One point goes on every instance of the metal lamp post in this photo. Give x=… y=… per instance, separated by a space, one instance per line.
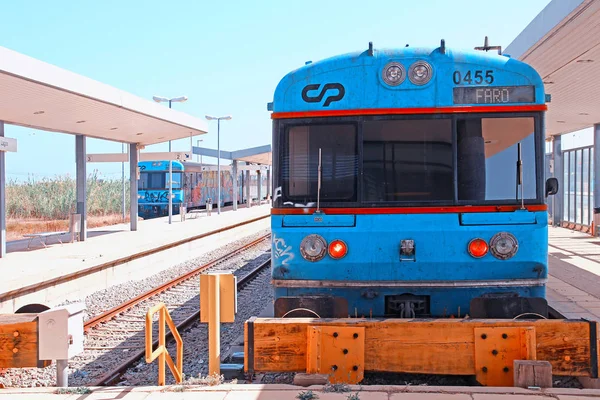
x=199 y=155
x=159 y=99
x=226 y=117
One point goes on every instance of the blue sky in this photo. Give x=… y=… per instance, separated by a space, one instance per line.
x=227 y=57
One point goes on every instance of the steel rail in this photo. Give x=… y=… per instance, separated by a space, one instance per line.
x=111 y=376
x=110 y=314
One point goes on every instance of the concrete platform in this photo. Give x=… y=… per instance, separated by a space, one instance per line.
x=574 y=265
x=112 y=255
x=285 y=392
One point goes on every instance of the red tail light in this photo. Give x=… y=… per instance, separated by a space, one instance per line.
x=337 y=249
x=478 y=248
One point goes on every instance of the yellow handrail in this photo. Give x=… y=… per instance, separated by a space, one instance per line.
x=161 y=351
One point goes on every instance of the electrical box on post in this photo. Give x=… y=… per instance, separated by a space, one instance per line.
x=61 y=332
x=227 y=296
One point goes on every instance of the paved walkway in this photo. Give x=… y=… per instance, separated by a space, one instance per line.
x=574 y=283
x=117 y=243
x=288 y=392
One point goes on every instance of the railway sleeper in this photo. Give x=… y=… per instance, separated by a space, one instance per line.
x=345 y=348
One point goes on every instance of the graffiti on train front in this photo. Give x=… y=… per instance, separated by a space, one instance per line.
x=155 y=197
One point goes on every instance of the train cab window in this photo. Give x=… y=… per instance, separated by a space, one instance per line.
x=408 y=160
x=176 y=180
x=143 y=181
x=339 y=161
x=487 y=151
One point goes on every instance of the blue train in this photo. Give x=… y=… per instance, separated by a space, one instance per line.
x=191 y=187
x=410 y=183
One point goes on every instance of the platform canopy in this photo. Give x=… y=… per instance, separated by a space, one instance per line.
x=40 y=95
x=563 y=44
x=255 y=155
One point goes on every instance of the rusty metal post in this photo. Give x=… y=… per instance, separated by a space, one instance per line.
x=214 y=325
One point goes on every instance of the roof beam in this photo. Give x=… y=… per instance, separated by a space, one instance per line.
x=202 y=151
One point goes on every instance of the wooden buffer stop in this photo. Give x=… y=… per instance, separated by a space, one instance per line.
x=34 y=340
x=19 y=346
x=343 y=349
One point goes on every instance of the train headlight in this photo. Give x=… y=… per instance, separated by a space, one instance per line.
x=420 y=73
x=313 y=248
x=503 y=245
x=477 y=248
x=337 y=249
x=394 y=74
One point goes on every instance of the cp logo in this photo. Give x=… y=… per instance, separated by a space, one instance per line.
x=328 y=86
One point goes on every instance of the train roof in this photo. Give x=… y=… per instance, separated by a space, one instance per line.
x=355 y=80
x=162 y=165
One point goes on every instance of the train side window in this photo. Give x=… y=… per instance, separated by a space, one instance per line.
x=487 y=158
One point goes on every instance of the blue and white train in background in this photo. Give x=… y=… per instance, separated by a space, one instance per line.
x=192 y=187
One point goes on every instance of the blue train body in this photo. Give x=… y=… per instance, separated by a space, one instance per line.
x=431 y=200
x=153 y=194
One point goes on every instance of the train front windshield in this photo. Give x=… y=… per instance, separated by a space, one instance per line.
x=158 y=180
x=401 y=161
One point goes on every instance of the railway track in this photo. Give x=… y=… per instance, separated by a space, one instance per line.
x=115 y=339
x=110 y=314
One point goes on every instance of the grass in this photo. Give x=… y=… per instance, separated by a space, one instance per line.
x=74 y=390
x=45 y=205
x=308 y=395
x=336 y=388
x=55 y=199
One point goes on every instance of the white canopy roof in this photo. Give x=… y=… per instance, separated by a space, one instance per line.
x=39 y=95
x=563 y=44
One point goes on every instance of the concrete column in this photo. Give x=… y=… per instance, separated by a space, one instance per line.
x=234 y=178
x=596 y=177
x=268 y=182
x=2 y=197
x=259 y=185
x=81 y=179
x=558 y=173
x=133 y=187
x=248 y=199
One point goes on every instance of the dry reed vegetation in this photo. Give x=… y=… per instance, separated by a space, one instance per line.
x=45 y=205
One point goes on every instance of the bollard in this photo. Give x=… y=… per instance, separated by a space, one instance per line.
x=218 y=304
x=208 y=206
x=61 y=337
x=214 y=326
x=62 y=374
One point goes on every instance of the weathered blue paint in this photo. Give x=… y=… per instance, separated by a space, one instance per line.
x=441 y=255
x=360 y=74
x=441 y=239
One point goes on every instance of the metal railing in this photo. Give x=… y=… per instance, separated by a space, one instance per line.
x=578 y=192
x=161 y=351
